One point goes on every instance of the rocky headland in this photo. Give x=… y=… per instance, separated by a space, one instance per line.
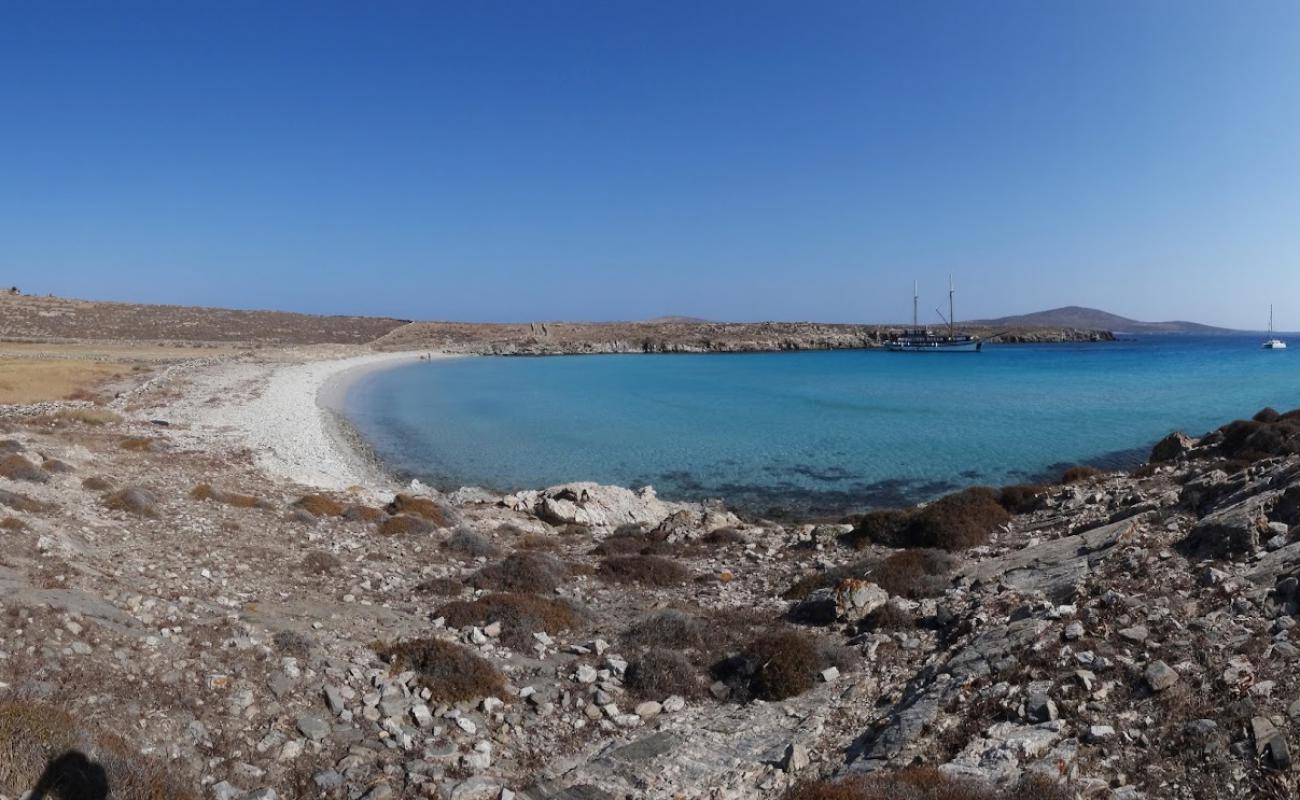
x=205 y=596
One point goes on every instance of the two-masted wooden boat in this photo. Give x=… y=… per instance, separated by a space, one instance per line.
x=922 y=340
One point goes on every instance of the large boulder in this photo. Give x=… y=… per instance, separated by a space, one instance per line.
x=594 y=505
x=1233 y=532
x=1172 y=447
x=849 y=601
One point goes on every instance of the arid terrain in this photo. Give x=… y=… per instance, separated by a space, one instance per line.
x=185 y=621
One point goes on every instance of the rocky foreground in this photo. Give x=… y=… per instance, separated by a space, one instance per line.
x=178 y=624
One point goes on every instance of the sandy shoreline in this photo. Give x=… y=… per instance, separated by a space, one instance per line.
x=289 y=414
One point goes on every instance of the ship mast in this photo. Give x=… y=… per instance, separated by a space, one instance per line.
x=952 y=330
x=1270 y=319
x=915 y=297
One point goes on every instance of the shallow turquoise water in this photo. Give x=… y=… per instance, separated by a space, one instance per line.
x=813 y=431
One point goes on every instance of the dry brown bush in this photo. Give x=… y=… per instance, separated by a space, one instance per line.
x=660 y=673
x=8 y=446
x=878 y=527
x=646 y=570
x=13 y=524
x=139 y=444
x=723 y=537
x=404 y=525
x=452 y=673
x=1080 y=473
x=827 y=579
x=471 y=544
x=533 y=573
x=779 y=664
x=359 y=513
x=520 y=615
x=442 y=587
x=889 y=617
x=21 y=502
x=96 y=483
x=632 y=540
x=1021 y=498
x=924 y=783
x=955 y=522
x=667 y=628
x=538 y=541
x=133 y=500
x=319 y=562
x=205 y=491
x=16 y=468
x=914 y=573
x=42 y=747
x=320 y=505
x=425 y=507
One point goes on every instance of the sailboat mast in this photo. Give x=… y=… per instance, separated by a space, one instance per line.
x=1270 y=319
x=915 y=296
x=952 y=330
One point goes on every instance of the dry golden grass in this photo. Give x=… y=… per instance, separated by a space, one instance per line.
x=321 y=505
x=206 y=492
x=25 y=380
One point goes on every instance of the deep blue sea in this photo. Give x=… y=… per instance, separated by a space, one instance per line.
x=810 y=432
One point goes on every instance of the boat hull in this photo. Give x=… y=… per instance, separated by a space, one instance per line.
x=935 y=346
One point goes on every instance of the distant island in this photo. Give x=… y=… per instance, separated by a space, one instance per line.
x=1094 y=319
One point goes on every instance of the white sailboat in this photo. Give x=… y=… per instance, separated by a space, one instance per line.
x=922 y=340
x=1272 y=342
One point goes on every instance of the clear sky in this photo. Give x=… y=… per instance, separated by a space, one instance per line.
x=614 y=159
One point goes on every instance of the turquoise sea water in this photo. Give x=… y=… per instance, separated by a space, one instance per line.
x=810 y=432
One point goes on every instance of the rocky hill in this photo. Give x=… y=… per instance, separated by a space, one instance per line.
x=179 y=624
x=54 y=319
x=1091 y=318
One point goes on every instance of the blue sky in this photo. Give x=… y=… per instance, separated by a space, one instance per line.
x=610 y=159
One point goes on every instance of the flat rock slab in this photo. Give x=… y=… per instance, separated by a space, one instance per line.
x=1054 y=567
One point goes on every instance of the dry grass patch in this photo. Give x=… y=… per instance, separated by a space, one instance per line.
x=12 y=524
x=532 y=573
x=645 y=570
x=359 y=513
x=94 y=417
x=667 y=628
x=1021 y=498
x=54 y=465
x=133 y=500
x=95 y=483
x=452 y=673
x=42 y=747
x=780 y=664
x=30 y=380
x=139 y=444
x=520 y=615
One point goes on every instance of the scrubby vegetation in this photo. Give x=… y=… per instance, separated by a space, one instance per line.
x=16 y=468
x=138 y=444
x=43 y=748
x=472 y=544
x=320 y=505
x=319 y=562
x=441 y=587
x=914 y=573
x=533 y=573
x=924 y=783
x=205 y=491
x=632 y=540
x=96 y=483
x=429 y=509
x=1079 y=474
x=405 y=525
x=1021 y=498
x=1269 y=434
x=660 y=673
x=359 y=513
x=955 y=522
x=450 y=672
x=779 y=665
x=826 y=579
x=647 y=570
x=133 y=500
x=667 y=628
x=520 y=615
